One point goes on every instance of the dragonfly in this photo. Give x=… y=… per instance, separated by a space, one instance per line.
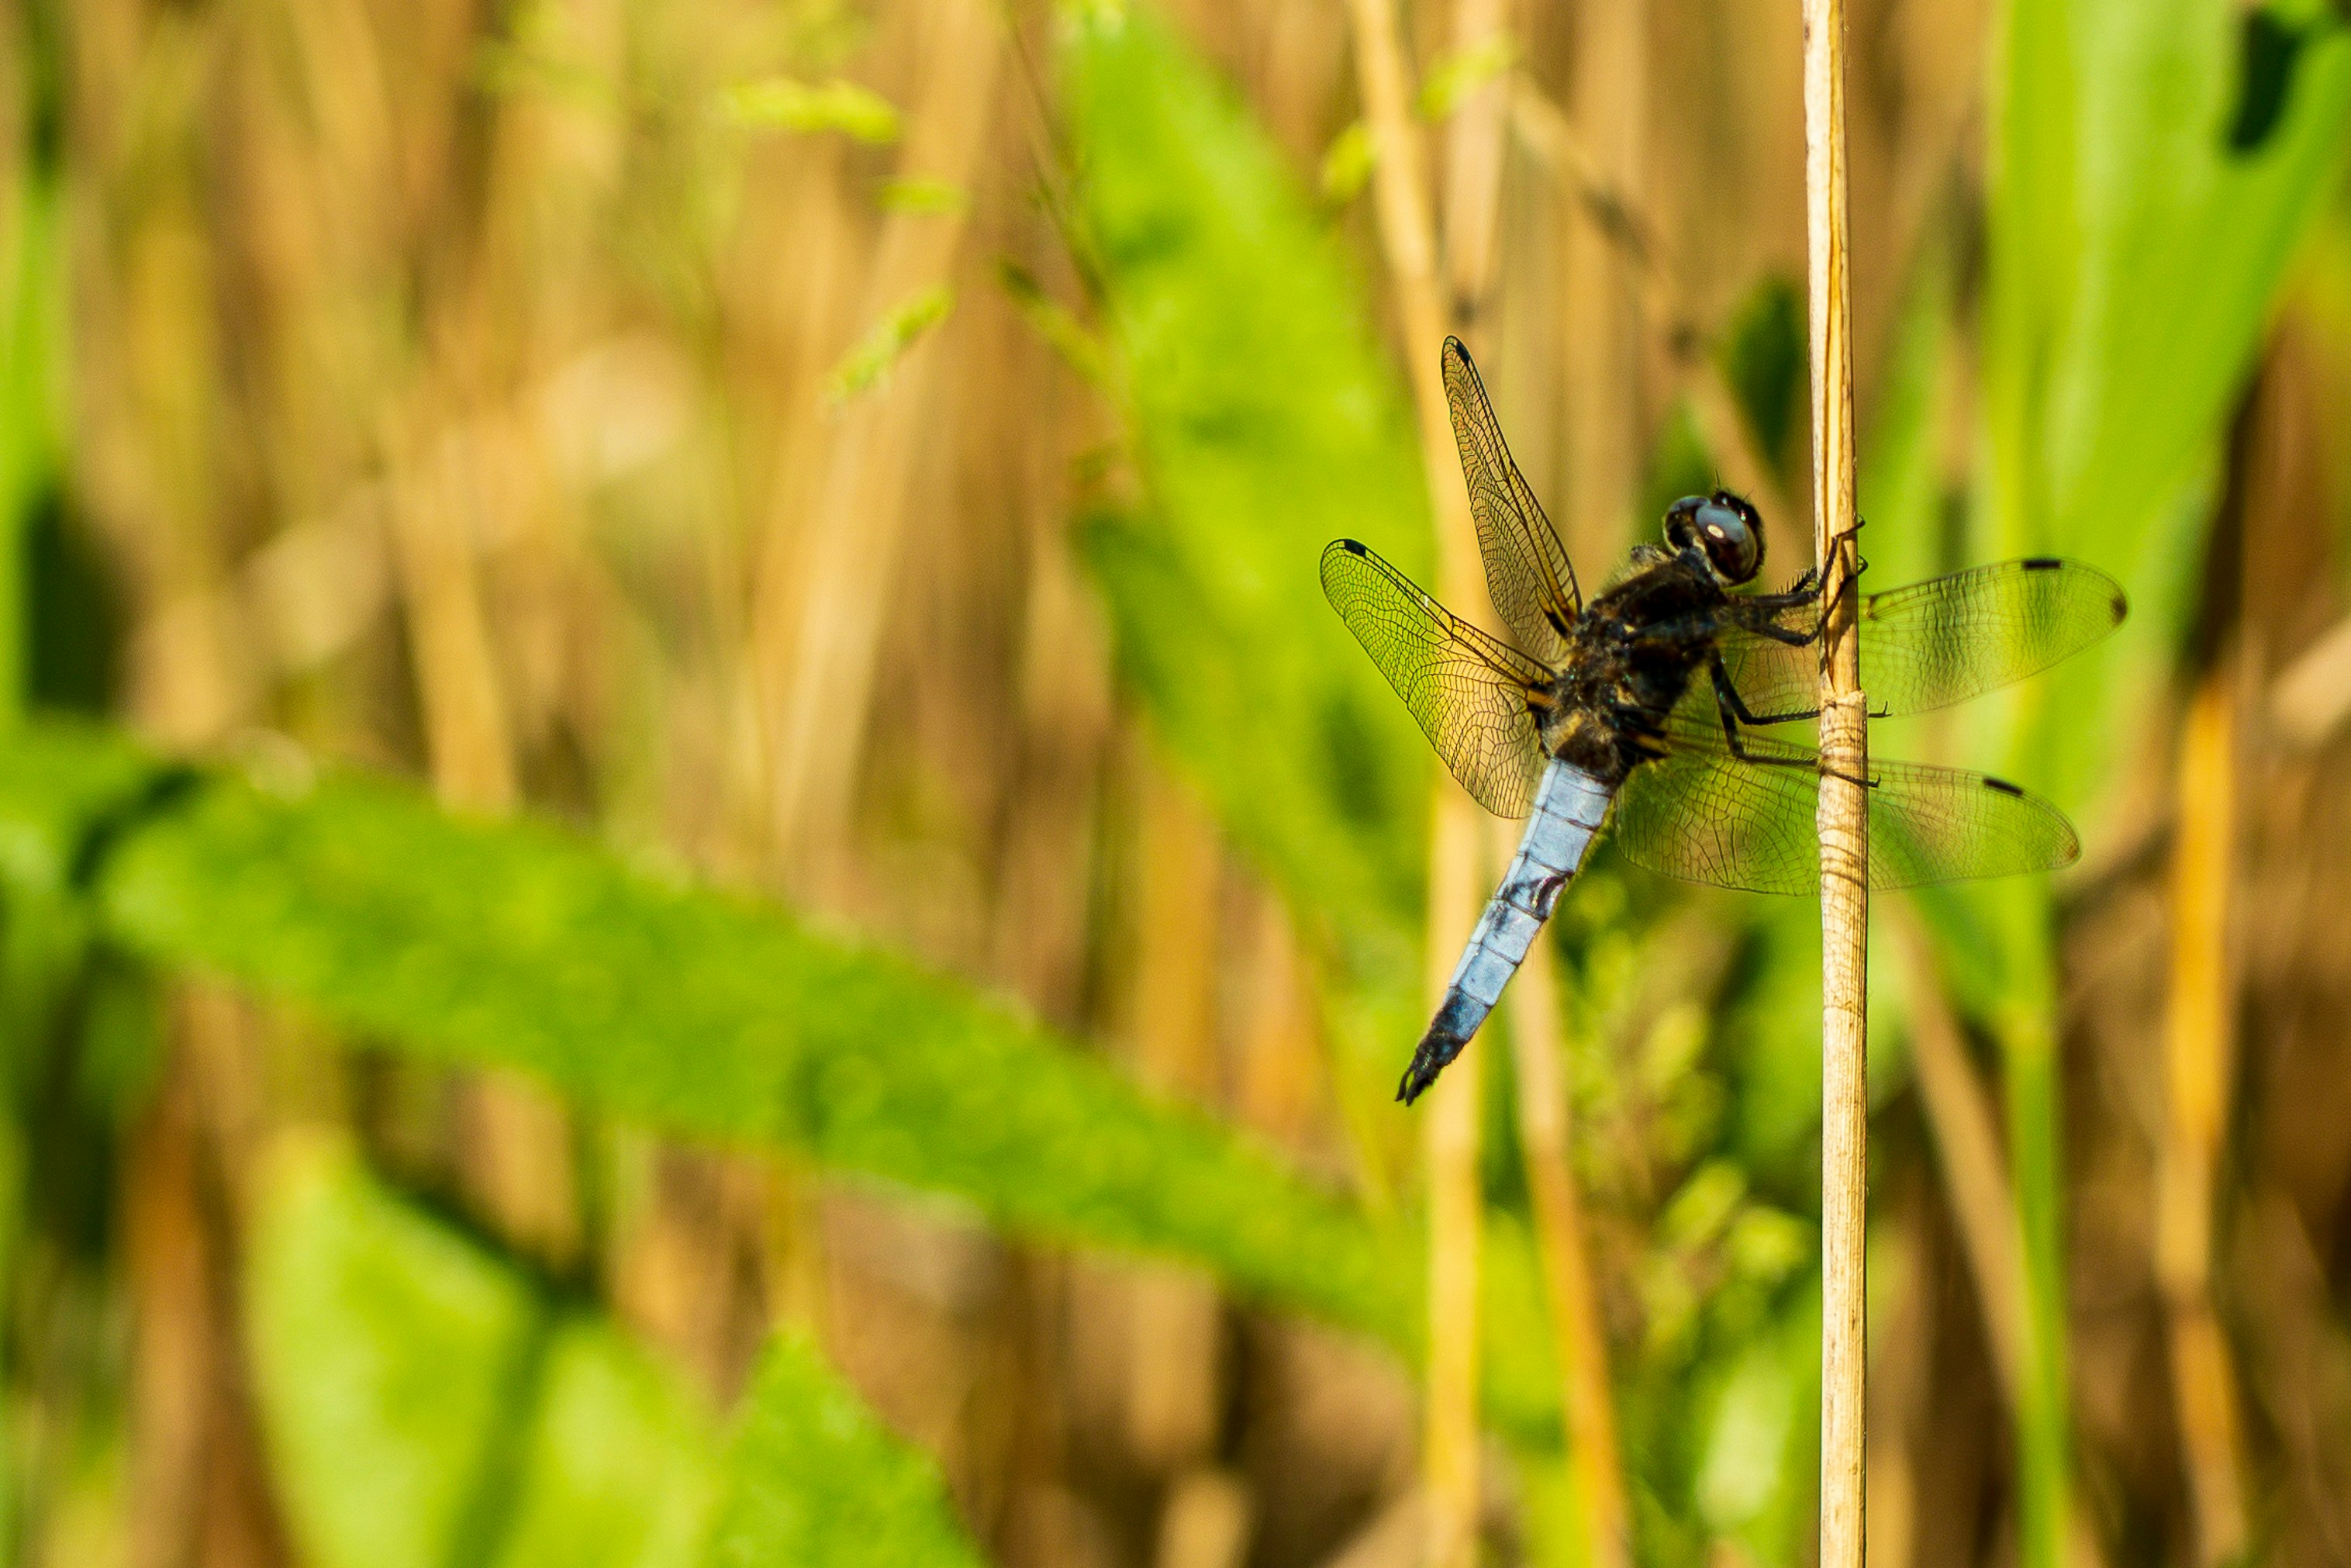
x=1656 y=710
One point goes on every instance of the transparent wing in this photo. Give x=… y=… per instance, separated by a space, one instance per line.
x=1705 y=815
x=1938 y=642
x=1526 y=569
x=1468 y=692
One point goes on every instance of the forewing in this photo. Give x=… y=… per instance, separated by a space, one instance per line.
x=1938 y=642
x=1705 y=815
x=1526 y=569
x=1468 y=691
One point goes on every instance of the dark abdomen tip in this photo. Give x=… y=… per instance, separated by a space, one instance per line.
x=1438 y=1047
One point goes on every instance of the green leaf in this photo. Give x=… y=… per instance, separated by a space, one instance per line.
x=1347 y=163
x=425 y=1404
x=388 y=1355
x=519 y=944
x=781 y=103
x=1266 y=425
x=2136 y=258
x=619 y=1467
x=869 y=364
x=813 y=1478
x=926 y=198
x=1456 y=74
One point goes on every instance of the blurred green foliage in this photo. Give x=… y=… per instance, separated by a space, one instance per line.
x=387 y=1346
x=2136 y=253
x=497 y=1423
x=1763 y=356
x=1266 y=423
x=800 y=1421
x=2145 y=201
x=518 y=944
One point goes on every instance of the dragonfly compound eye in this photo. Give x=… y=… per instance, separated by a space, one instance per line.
x=1730 y=531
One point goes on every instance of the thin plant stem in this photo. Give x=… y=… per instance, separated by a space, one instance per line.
x=1595 y=1468
x=820 y=672
x=1967 y=1145
x=1843 y=821
x=1401 y=197
x=1665 y=311
x=2198 y=1054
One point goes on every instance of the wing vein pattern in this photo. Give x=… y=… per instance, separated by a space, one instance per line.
x=1468 y=691
x=1939 y=641
x=1705 y=815
x=1526 y=569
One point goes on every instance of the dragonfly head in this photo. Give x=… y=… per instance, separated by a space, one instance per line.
x=1725 y=528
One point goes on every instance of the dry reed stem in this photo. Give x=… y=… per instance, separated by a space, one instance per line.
x=1206 y=1521
x=1594 y=1467
x=1400 y=195
x=822 y=685
x=1975 y=1181
x=513 y=1138
x=1843 y=821
x=1663 y=301
x=2312 y=697
x=1601 y=315
x=1174 y=1317
x=1967 y=1145
x=2198 y=1055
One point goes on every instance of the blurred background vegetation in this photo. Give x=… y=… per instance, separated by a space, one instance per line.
x=689 y=874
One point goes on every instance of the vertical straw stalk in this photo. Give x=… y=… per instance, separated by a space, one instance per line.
x=1616 y=292
x=1593 y=1468
x=1614 y=214
x=831 y=594
x=2197 y=1054
x=1844 y=822
x=1967 y=1145
x=1401 y=197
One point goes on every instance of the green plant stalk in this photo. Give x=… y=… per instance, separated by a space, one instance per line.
x=31 y=296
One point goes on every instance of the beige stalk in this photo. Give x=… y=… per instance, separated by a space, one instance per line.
x=1400 y=193
x=2199 y=1054
x=1844 y=820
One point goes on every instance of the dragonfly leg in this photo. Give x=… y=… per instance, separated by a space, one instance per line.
x=1726 y=702
x=1734 y=706
x=1805 y=589
x=1760 y=614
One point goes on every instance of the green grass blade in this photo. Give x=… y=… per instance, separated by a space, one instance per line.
x=2135 y=261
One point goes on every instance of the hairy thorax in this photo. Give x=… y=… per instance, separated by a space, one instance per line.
x=1631 y=655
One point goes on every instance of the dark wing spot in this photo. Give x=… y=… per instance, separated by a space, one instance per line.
x=1352 y=548
x=2003 y=786
x=2043 y=563
x=1557 y=625
x=2122 y=608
